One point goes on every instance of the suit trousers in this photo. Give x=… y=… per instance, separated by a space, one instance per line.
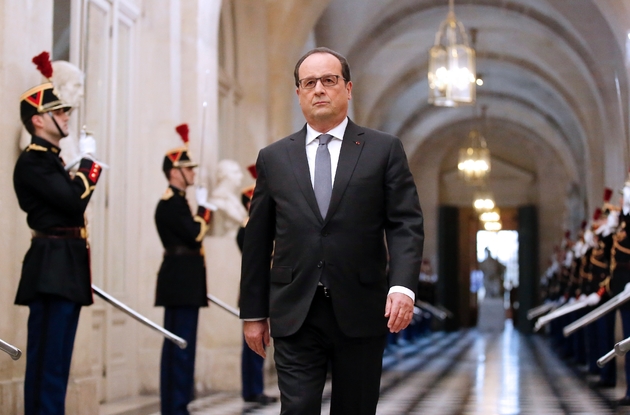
x=52 y=325
x=303 y=359
x=177 y=368
x=251 y=372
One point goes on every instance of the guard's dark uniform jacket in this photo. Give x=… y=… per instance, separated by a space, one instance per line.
x=58 y=261
x=620 y=257
x=182 y=276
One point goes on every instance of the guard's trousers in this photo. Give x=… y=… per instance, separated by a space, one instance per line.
x=52 y=325
x=251 y=372
x=177 y=369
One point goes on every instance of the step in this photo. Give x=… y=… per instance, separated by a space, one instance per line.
x=139 y=405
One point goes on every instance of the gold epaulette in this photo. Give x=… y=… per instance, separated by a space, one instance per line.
x=598 y=263
x=606 y=284
x=623 y=249
x=168 y=194
x=35 y=147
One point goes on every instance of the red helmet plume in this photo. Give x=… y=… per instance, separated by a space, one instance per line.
x=183 y=131
x=252 y=171
x=42 y=61
x=607 y=194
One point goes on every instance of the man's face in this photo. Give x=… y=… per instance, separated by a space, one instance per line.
x=189 y=174
x=47 y=126
x=323 y=105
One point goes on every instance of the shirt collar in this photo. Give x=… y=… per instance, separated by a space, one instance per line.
x=336 y=132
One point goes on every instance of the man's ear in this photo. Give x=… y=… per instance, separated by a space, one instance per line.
x=38 y=121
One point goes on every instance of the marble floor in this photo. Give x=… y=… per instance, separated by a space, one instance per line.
x=480 y=372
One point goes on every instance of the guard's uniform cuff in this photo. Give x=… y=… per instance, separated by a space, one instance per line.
x=91 y=170
x=204 y=213
x=88 y=173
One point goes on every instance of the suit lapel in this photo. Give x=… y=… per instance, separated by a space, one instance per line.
x=351 y=148
x=299 y=163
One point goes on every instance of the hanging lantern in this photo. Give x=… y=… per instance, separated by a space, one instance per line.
x=493 y=226
x=451 y=65
x=483 y=201
x=490 y=216
x=474 y=161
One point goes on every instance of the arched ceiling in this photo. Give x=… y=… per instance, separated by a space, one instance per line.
x=553 y=72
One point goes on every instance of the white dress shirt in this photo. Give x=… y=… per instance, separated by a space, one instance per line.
x=334 y=148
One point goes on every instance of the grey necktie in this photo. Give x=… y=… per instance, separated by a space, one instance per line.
x=323 y=174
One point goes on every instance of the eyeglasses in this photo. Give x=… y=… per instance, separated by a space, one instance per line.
x=327 y=81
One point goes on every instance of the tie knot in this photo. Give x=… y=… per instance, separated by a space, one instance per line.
x=324 y=139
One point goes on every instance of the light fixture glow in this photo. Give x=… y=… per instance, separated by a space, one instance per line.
x=492 y=226
x=484 y=204
x=474 y=160
x=483 y=200
x=492 y=216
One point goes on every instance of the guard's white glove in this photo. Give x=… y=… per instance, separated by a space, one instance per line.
x=201 y=195
x=593 y=299
x=87 y=145
x=87 y=149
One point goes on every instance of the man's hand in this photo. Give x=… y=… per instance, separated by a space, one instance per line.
x=399 y=309
x=257 y=335
x=87 y=145
x=201 y=195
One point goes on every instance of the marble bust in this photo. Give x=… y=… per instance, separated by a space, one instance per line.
x=226 y=196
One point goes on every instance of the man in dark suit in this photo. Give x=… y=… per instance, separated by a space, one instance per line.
x=331 y=202
x=181 y=281
x=55 y=280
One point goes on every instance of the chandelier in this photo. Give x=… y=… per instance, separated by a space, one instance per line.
x=493 y=226
x=483 y=201
x=451 y=75
x=474 y=160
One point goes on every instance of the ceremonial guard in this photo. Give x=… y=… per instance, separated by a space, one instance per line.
x=181 y=281
x=603 y=330
x=55 y=280
x=620 y=273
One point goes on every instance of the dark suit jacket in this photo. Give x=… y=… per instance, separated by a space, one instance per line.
x=374 y=200
x=181 y=280
x=52 y=201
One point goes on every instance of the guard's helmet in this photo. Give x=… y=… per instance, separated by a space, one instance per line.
x=178 y=157
x=41 y=98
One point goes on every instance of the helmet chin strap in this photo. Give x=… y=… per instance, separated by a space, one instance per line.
x=61 y=133
x=183 y=176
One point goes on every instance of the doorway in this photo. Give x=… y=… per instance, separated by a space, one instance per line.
x=497 y=258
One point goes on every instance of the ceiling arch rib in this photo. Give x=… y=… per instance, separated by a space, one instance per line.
x=402 y=20
x=513 y=112
x=402 y=118
x=382 y=105
x=401 y=67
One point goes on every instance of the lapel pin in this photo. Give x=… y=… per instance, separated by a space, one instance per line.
x=357 y=143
